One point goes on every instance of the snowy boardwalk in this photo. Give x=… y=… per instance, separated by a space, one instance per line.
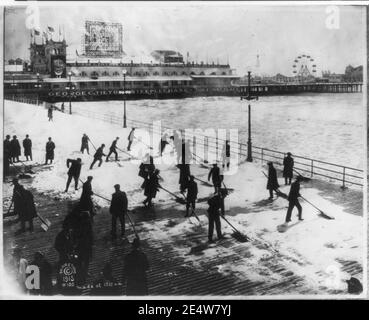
x=313 y=257
x=170 y=273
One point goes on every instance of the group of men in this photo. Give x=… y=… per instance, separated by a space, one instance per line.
x=12 y=151
x=294 y=194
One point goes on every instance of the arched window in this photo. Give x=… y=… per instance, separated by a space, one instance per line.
x=193 y=73
x=202 y=73
x=83 y=74
x=116 y=74
x=213 y=73
x=184 y=73
x=174 y=73
x=105 y=74
x=156 y=73
x=94 y=74
x=224 y=73
x=165 y=74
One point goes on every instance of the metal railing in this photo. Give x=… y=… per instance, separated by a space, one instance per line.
x=26 y=100
x=303 y=165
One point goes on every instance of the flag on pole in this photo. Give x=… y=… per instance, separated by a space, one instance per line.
x=77 y=53
x=37 y=33
x=50 y=29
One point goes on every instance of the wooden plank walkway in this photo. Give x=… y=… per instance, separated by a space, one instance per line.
x=170 y=274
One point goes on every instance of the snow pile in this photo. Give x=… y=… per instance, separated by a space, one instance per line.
x=313 y=249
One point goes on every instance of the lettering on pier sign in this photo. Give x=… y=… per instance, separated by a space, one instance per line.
x=79 y=93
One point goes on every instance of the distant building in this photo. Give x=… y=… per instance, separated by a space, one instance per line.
x=49 y=58
x=353 y=74
x=167 y=56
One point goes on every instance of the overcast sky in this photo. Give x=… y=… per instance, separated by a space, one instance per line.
x=211 y=32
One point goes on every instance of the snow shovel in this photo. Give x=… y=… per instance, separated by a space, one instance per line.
x=127 y=153
x=27 y=169
x=324 y=215
x=21 y=175
x=178 y=199
x=237 y=234
x=92 y=143
x=208 y=184
x=301 y=176
x=139 y=140
x=45 y=223
x=203 y=160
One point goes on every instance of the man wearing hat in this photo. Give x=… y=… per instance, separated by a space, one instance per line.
x=293 y=199
x=50 y=146
x=15 y=149
x=98 y=156
x=272 y=184
x=191 y=195
x=118 y=209
x=24 y=206
x=216 y=177
x=135 y=267
x=27 y=145
x=113 y=149
x=84 y=143
x=288 y=164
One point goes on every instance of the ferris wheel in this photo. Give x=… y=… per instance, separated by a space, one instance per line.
x=304 y=66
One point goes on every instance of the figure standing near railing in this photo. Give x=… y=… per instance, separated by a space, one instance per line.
x=293 y=200
x=226 y=154
x=50 y=113
x=84 y=144
x=191 y=197
x=27 y=145
x=288 y=164
x=216 y=177
x=272 y=184
x=130 y=138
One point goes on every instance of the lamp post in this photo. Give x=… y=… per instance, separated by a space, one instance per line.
x=249 y=97
x=38 y=87
x=70 y=88
x=124 y=99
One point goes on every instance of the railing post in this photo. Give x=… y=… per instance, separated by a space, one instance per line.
x=262 y=155
x=312 y=168
x=344 y=178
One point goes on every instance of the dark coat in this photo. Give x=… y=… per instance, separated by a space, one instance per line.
x=215 y=175
x=50 y=146
x=75 y=168
x=215 y=203
x=119 y=204
x=192 y=191
x=146 y=169
x=135 y=267
x=113 y=146
x=272 y=179
x=85 y=202
x=151 y=186
x=99 y=153
x=84 y=140
x=184 y=174
x=294 y=191
x=15 y=148
x=288 y=167
x=65 y=245
x=24 y=205
x=7 y=148
x=27 y=145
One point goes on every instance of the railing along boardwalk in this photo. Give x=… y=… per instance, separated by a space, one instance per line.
x=345 y=175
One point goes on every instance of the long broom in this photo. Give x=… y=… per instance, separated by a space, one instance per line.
x=237 y=234
x=139 y=140
x=322 y=213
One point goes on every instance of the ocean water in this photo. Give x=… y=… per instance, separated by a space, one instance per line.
x=328 y=127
